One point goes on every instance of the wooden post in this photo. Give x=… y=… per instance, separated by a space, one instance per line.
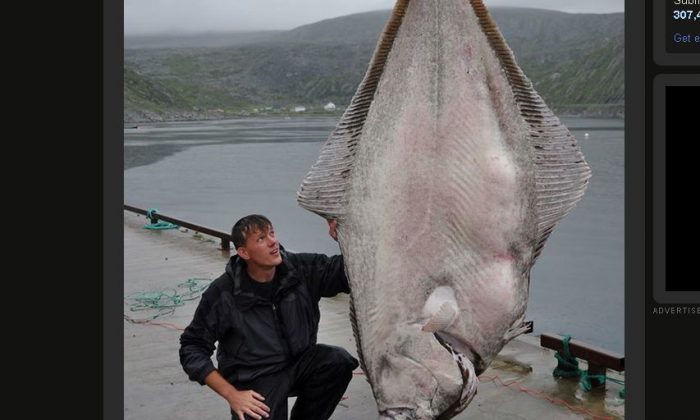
x=595 y=369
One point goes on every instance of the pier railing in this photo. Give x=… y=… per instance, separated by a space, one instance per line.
x=599 y=360
x=155 y=216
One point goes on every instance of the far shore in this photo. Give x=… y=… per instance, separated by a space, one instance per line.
x=602 y=112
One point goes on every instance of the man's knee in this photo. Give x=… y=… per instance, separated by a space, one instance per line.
x=339 y=358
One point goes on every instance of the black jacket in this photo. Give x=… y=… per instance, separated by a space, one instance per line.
x=258 y=336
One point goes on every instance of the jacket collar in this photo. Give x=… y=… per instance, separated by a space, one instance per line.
x=242 y=291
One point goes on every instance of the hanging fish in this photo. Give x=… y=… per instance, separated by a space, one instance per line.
x=446 y=174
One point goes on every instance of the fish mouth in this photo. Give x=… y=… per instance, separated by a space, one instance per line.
x=468 y=362
x=465 y=358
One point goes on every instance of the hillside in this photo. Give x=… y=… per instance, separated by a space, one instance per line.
x=574 y=60
x=197 y=40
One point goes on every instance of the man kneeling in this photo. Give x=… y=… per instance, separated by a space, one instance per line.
x=263 y=312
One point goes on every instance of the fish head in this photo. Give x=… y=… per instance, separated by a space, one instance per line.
x=443 y=380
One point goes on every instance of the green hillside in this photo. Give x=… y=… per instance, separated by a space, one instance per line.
x=574 y=60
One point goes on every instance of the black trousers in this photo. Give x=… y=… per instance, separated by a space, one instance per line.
x=318 y=379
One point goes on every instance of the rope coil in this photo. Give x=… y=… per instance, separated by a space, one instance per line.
x=165 y=301
x=567 y=365
x=155 y=224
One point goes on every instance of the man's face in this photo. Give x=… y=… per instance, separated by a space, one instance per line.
x=261 y=248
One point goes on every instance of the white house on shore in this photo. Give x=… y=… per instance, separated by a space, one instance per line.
x=299 y=109
x=330 y=106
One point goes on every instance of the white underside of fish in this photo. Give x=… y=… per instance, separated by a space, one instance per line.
x=446 y=174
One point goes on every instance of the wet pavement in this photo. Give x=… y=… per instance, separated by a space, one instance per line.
x=518 y=384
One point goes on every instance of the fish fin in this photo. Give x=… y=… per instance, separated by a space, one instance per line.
x=442 y=318
x=519 y=327
x=356 y=334
x=561 y=172
x=323 y=189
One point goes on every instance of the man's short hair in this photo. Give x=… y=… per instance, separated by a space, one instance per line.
x=248 y=224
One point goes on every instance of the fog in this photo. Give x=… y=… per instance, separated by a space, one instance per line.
x=187 y=16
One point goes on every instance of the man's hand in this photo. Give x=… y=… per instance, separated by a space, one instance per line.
x=248 y=402
x=241 y=402
x=332 y=225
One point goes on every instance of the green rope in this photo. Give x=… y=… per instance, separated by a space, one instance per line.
x=164 y=302
x=194 y=286
x=150 y=214
x=155 y=224
x=567 y=367
x=619 y=382
x=587 y=381
x=160 y=226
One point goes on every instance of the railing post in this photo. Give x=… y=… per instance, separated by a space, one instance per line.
x=595 y=370
x=154 y=217
x=151 y=215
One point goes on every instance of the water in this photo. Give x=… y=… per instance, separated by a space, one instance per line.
x=212 y=173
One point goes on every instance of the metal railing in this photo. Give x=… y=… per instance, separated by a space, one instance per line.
x=599 y=360
x=155 y=216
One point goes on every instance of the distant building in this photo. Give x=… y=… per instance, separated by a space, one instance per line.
x=330 y=106
x=299 y=109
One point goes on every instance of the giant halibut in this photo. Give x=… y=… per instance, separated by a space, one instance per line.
x=446 y=174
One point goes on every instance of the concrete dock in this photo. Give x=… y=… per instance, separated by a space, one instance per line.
x=518 y=384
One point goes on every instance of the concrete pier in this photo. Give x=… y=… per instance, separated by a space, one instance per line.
x=518 y=384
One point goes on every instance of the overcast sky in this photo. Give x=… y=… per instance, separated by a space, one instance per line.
x=157 y=16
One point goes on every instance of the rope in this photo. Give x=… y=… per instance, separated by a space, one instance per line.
x=587 y=380
x=567 y=367
x=161 y=226
x=155 y=224
x=164 y=302
x=621 y=394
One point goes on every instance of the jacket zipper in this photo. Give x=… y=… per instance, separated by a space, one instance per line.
x=280 y=330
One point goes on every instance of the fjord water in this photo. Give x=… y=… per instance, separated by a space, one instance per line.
x=213 y=172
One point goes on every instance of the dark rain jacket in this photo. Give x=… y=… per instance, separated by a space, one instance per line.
x=258 y=336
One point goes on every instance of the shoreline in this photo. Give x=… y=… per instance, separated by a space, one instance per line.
x=221 y=117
